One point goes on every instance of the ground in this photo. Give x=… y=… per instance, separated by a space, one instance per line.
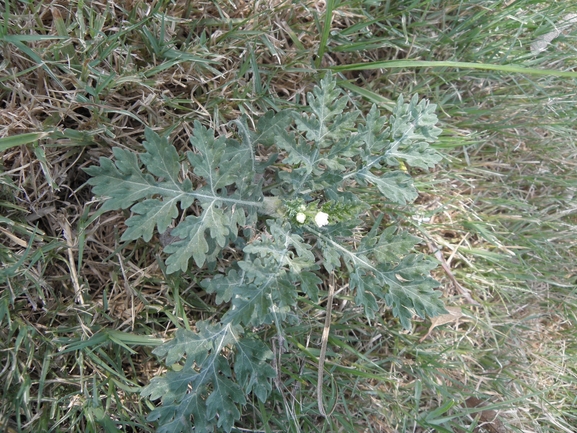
x=82 y=311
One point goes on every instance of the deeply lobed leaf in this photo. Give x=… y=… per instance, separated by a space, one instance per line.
x=206 y=389
x=227 y=197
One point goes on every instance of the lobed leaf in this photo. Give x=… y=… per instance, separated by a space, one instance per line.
x=122 y=183
x=149 y=214
x=205 y=389
x=326 y=119
x=266 y=297
x=223 y=285
x=406 y=286
x=251 y=367
x=389 y=246
x=411 y=290
x=394 y=185
x=228 y=196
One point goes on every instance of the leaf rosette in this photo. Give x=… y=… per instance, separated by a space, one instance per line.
x=289 y=181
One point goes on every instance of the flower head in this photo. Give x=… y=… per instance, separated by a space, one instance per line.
x=301 y=217
x=321 y=219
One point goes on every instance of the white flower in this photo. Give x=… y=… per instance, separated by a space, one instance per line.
x=321 y=219
x=301 y=217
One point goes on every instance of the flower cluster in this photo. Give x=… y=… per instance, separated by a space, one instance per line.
x=321 y=218
x=302 y=212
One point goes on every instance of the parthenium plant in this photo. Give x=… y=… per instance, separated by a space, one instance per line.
x=291 y=216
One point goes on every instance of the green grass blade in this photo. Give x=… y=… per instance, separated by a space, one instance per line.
x=396 y=64
x=375 y=98
x=30 y=38
x=36 y=58
x=330 y=5
x=18 y=140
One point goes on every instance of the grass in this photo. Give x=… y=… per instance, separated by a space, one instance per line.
x=80 y=312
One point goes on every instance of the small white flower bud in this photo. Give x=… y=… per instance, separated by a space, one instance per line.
x=321 y=219
x=301 y=217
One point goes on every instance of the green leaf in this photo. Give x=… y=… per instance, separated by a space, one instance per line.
x=251 y=367
x=411 y=289
x=225 y=398
x=284 y=247
x=364 y=285
x=266 y=297
x=204 y=388
x=327 y=108
x=214 y=223
x=264 y=291
x=406 y=287
x=122 y=183
x=149 y=214
x=228 y=197
x=309 y=283
x=333 y=246
x=414 y=121
x=269 y=128
x=218 y=165
x=300 y=153
x=418 y=154
x=161 y=158
x=320 y=158
x=373 y=134
x=395 y=185
x=193 y=244
x=413 y=126
x=223 y=285
x=389 y=64
x=389 y=246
